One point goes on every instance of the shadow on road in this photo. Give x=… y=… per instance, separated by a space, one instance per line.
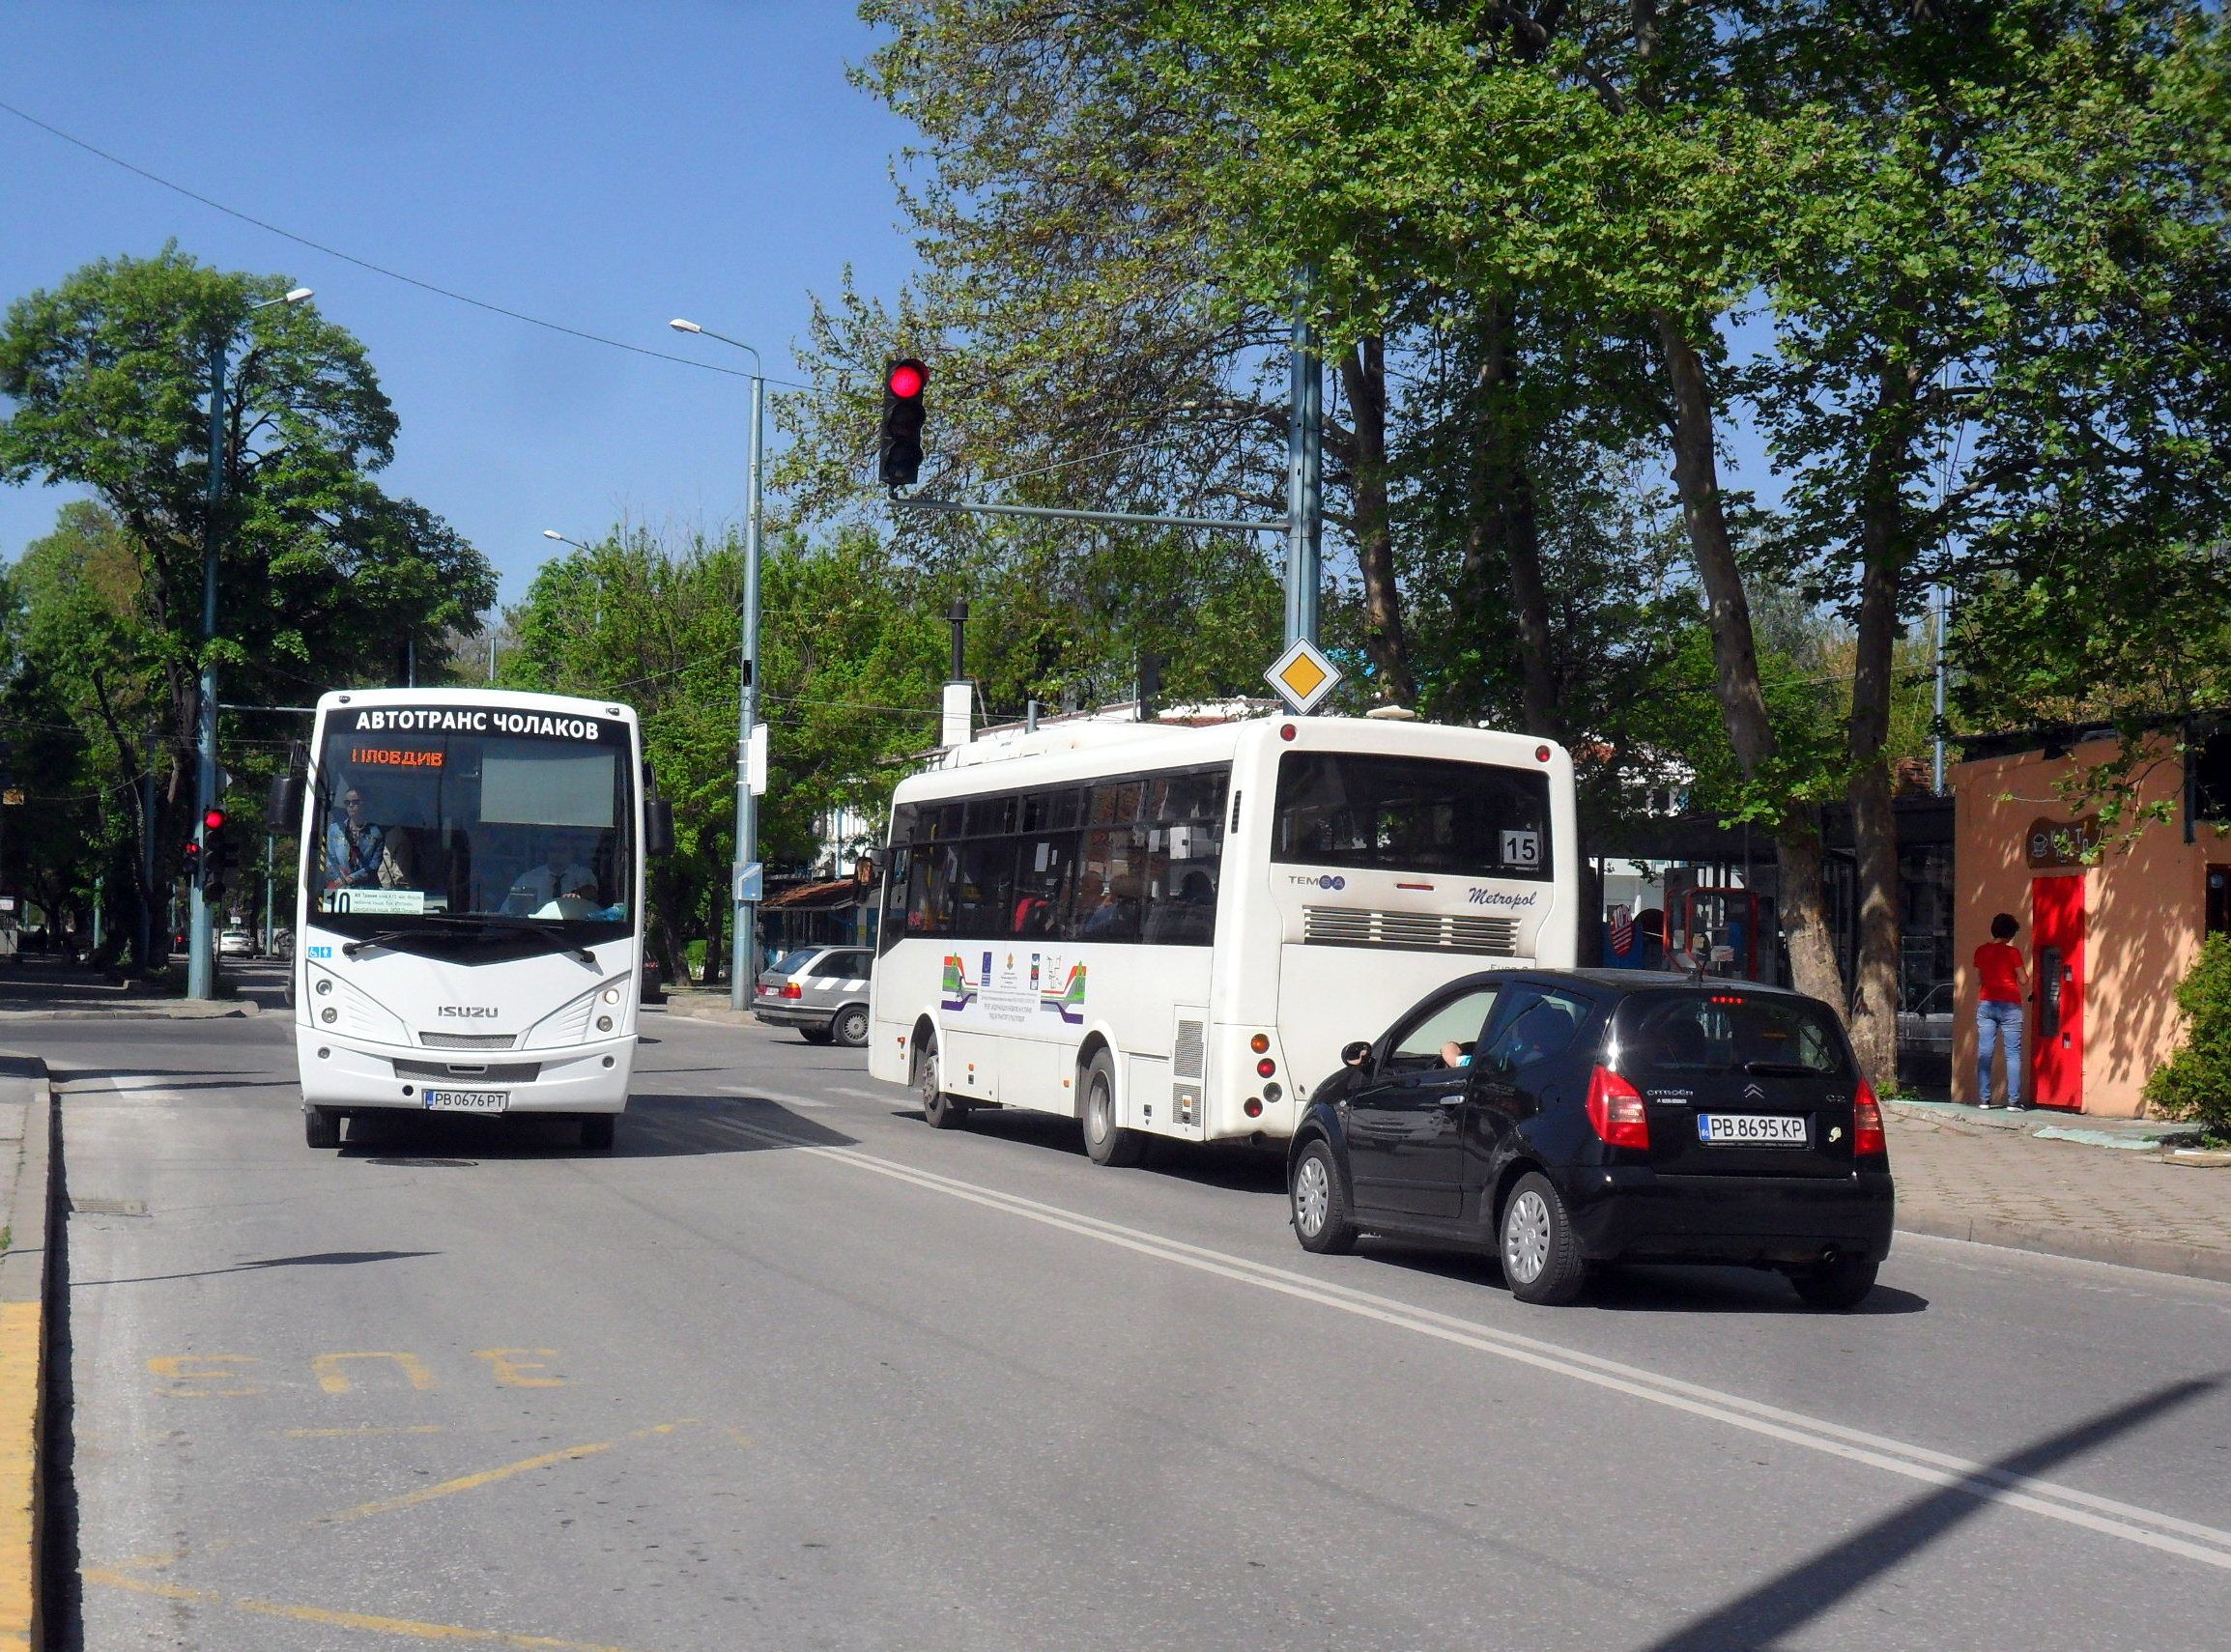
x=1763 y=1616
x=1237 y=1167
x=320 y=1259
x=653 y=1126
x=1640 y=1288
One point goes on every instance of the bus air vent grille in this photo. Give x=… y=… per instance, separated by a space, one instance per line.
x=468 y=1041
x=1186 y=1055
x=1350 y=926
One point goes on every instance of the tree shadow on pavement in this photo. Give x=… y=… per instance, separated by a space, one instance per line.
x=320 y=1259
x=653 y=1126
x=1763 y=1616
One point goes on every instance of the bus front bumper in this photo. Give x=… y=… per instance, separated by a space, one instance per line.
x=577 y=1078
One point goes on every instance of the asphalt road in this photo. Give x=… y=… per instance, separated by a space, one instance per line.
x=789 y=1369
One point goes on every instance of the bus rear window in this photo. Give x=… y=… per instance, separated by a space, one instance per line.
x=1347 y=809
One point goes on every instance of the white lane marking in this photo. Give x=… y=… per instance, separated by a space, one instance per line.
x=760 y=1092
x=895 y=1094
x=2066 y=1503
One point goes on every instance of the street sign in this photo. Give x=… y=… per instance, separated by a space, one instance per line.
x=755 y=761
x=751 y=880
x=1303 y=676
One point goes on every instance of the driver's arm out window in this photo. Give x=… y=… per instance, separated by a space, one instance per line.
x=1457 y=1021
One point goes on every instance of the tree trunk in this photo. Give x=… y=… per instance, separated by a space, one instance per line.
x=1873 y=821
x=1505 y=521
x=1802 y=902
x=1364 y=377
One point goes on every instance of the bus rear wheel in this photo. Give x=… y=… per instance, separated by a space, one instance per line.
x=942 y=1109
x=321 y=1126
x=1104 y=1140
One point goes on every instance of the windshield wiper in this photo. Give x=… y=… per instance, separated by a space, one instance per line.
x=481 y=922
x=1796 y=1068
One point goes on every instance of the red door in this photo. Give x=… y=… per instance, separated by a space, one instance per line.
x=2056 y=1030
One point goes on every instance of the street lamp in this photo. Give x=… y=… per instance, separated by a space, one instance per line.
x=552 y=534
x=743 y=969
x=200 y=955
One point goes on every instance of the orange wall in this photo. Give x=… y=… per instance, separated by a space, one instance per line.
x=2143 y=910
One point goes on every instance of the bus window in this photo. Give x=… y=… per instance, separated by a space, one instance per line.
x=1347 y=809
x=1053 y=811
x=893 y=922
x=1116 y=803
x=1044 y=875
x=984 y=898
x=929 y=891
x=1111 y=886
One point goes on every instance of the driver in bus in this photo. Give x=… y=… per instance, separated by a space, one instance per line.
x=558 y=873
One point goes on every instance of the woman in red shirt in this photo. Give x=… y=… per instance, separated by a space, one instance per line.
x=1998 y=1012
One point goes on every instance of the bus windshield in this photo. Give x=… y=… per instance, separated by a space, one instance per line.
x=1399 y=813
x=426 y=816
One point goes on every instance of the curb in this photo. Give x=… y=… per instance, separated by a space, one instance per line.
x=2156 y=1256
x=24 y=1359
x=696 y=1007
x=247 y=1007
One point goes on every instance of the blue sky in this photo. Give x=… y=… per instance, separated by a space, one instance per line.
x=605 y=167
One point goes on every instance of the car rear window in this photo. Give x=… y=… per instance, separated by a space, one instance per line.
x=1663 y=1035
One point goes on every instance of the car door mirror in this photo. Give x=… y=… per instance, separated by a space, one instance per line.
x=1357 y=1053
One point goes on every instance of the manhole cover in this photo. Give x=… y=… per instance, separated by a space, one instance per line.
x=108 y=1207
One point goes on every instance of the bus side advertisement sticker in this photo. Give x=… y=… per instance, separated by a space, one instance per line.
x=1011 y=986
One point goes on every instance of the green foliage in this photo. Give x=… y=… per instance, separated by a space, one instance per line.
x=2195 y=1082
x=322 y=580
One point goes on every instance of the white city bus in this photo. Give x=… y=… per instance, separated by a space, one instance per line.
x=1172 y=931
x=468 y=918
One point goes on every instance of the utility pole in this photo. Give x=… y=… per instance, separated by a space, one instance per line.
x=1305 y=480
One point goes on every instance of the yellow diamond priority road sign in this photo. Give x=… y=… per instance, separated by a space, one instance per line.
x=1303 y=676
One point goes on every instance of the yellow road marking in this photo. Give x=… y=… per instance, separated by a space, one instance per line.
x=354 y=1432
x=22 y=1330
x=465 y=1483
x=514 y=1367
x=180 y=1368
x=415 y=1628
x=335 y=1380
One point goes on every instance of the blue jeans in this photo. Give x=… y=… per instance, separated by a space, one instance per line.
x=1998 y=1025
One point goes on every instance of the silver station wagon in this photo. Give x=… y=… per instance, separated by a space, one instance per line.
x=821 y=991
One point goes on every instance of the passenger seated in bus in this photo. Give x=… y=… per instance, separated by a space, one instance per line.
x=354 y=843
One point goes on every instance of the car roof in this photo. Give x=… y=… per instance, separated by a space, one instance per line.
x=1624 y=983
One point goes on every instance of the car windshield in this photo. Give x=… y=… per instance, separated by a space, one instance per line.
x=429 y=817
x=1686 y=1033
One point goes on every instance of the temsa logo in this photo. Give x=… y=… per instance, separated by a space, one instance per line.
x=468 y=1011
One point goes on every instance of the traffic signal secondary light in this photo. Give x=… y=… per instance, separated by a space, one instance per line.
x=214 y=861
x=901 y=446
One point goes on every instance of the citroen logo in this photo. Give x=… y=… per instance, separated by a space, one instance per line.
x=1752 y=1093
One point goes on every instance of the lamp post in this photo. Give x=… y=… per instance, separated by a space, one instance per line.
x=200 y=955
x=743 y=967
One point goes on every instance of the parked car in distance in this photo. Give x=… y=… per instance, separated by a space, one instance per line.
x=1567 y=1118
x=1925 y=1025
x=236 y=942
x=820 y=991
x=282 y=942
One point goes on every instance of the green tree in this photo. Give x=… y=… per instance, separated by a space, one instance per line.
x=323 y=577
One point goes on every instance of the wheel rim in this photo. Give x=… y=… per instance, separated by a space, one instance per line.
x=925 y=1078
x=1099 y=1111
x=1526 y=1238
x=1312 y=1196
x=851 y=1027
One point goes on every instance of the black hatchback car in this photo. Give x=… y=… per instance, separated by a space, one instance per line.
x=1564 y=1118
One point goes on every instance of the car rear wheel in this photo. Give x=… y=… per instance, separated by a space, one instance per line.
x=943 y=1111
x=1104 y=1141
x=1842 y=1283
x=321 y=1126
x=851 y=1026
x=815 y=1034
x=1320 y=1204
x=1542 y=1261
x=596 y=1131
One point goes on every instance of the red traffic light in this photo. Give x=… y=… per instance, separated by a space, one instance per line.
x=213 y=820
x=907 y=379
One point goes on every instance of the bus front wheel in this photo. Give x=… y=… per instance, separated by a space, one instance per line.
x=942 y=1109
x=321 y=1126
x=1105 y=1141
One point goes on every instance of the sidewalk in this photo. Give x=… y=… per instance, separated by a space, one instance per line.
x=38 y=988
x=2106 y=1190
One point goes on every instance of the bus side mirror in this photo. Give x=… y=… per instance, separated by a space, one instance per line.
x=283 y=805
x=658 y=827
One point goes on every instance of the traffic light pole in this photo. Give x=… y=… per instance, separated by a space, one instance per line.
x=200 y=952
x=743 y=961
x=1305 y=483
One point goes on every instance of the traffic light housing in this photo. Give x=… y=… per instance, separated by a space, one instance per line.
x=900 y=450
x=214 y=861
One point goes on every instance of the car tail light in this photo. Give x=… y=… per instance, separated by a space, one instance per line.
x=791 y=989
x=1866 y=1138
x=1615 y=1110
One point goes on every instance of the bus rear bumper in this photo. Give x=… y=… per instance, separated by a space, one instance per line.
x=579 y=1078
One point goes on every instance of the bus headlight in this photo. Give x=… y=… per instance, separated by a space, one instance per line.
x=611 y=996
